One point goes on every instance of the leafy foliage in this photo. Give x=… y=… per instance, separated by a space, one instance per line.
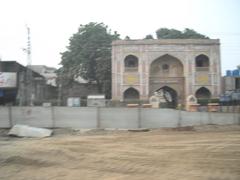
x=89 y=56
x=165 y=33
x=127 y=38
x=205 y=101
x=149 y=36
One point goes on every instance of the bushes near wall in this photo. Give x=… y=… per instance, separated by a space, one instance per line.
x=205 y=101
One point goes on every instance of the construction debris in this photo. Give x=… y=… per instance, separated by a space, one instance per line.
x=27 y=131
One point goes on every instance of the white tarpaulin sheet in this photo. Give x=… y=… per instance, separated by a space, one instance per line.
x=8 y=79
x=27 y=131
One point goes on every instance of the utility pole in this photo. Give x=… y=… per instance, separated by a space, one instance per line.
x=27 y=94
x=30 y=94
x=29 y=48
x=59 y=102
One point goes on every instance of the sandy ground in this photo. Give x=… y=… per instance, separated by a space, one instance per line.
x=199 y=153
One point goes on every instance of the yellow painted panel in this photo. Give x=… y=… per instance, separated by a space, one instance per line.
x=202 y=79
x=131 y=79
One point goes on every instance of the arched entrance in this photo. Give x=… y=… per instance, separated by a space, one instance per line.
x=131 y=94
x=170 y=95
x=167 y=71
x=203 y=93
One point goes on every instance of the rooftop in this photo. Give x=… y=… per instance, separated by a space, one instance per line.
x=167 y=42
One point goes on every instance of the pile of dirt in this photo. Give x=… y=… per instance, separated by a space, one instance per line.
x=24 y=161
x=187 y=153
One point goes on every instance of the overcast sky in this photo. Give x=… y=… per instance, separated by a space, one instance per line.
x=53 y=22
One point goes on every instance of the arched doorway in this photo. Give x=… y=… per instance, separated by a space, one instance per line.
x=167 y=71
x=203 y=93
x=170 y=95
x=131 y=94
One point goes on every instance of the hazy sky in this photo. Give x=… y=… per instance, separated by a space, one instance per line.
x=53 y=22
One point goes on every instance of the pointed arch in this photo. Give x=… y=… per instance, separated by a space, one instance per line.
x=166 y=66
x=131 y=94
x=202 y=62
x=203 y=93
x=167 y=71
x=168 y=91
x=131 y=63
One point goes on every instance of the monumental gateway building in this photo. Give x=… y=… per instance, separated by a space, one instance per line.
x=182 y=67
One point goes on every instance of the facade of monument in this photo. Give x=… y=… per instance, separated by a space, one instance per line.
x=181 y=67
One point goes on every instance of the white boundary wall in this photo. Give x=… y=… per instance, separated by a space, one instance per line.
x=4 y=117
x=75 y=117
x=92 y=117
x=118 y=118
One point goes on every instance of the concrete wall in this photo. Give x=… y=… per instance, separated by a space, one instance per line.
x=86 y=117
x=33 y=116
x=75 y=117
x=119 y=118
x=4 y=117
x=155 y=118
x=229 y=83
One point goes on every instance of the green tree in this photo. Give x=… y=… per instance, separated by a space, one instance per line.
x=89 y=56
x=191 y=34
x=165 y=33
x=149 y=36
x=127 y=38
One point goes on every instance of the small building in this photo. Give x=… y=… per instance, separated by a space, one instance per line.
x=48 y=72
x=231 y=88
x=182 y=67
x=231 y=81
x=20 y=85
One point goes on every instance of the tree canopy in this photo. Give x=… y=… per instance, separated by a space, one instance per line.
x=89 y=55
x=127 y=38
x=165 y=33
x=149 y=36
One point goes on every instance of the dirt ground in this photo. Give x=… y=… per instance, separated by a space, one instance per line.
x=193 y=153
